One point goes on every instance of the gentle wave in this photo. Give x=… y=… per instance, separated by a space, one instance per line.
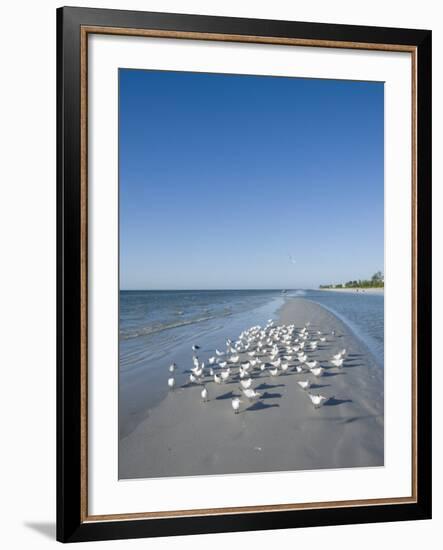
x=372 y=335
x=161 y=327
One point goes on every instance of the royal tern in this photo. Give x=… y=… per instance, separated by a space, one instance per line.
x=236 y=404
x=251 y=394
x=304 y=384
x=318 y=371
x=225 y=375
x=245 y=384
x=172 y=367
x=317 y=400
x=204 y=394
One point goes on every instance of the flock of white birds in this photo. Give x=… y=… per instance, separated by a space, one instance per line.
x=272 y=349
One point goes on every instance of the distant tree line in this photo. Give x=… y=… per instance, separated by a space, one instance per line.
x=376 y=281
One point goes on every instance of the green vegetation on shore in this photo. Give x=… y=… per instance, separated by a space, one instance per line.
x=376 y=281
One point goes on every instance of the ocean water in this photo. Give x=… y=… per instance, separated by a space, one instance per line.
x=153 y=321
x=159 y=327
x=363 y=312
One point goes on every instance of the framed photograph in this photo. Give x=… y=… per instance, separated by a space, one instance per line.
x=244 y=274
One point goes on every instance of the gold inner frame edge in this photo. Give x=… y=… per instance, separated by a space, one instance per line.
x=84 y=32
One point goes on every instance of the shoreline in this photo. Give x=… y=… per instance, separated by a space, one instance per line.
x=359 y=290
x=282 y=431
x=143 y=388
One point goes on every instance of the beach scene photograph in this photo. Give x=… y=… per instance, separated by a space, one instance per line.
x=251 y=274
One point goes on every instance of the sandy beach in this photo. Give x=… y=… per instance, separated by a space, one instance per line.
x=281 y=431
x=355 y=290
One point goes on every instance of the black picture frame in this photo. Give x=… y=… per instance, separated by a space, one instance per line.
x=71 y=524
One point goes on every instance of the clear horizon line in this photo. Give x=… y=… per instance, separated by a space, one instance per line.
x=211 y=289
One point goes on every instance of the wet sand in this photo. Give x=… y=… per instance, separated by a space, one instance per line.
x=280 y=432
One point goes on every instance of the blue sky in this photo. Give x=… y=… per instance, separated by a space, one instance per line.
x=235 y=181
